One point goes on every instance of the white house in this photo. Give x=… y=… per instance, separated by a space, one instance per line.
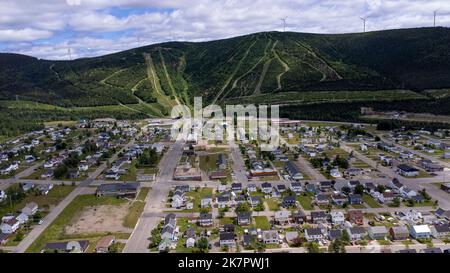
x=178 y=199
x=10 y=226
x=22 y=218
x=420 y=232
x=30 y=209
x=190 y=242
x=337 y=218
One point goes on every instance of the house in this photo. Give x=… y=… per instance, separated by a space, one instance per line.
x=325 y=185
x=266 y=188
x=27 y=187
x=432 y=250
x=296 y=187
x=4 y=238
x=129 y=190
x=223 y=201
x=67 y=247
x=248 y=239
x=355 y=217
x=339 y=199
x=299 y=217
x=10 y=226
x=45 y=188
x=206 y=202
x=282 y=217
x=377 y=232
x=353 y=183
x=353 y=172
x=244 y=218
x=83 y=166
x=395 y=184
x=407 y=170
x=322 y=199
x=407 y=192
x=178 y=199
x=165 y=244
x=168 y=232
x=420 y=232
x=311 y=188
x=221 y=188
x=236 y=187
x=293 y=170
x=104 y=243
x=48 y=173
x=270 y=237
x=22 y=218
x=399 y=233
x=255 y=200
x=357 y=233
x=227 y=239
x=205 y=220
x=386 y=197
x=251 y=188
x=355 y=199
x=281 y=188
x=318 y=216
x=430 y=166
x=441 y=231
x=289 y=201
x=334 y=234
x=217 y=175
x=30 y=209
x=337 y=218
x=313 y=234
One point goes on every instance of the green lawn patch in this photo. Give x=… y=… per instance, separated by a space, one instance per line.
x=262 y=222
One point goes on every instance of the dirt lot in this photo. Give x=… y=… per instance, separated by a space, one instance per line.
x=98 y=219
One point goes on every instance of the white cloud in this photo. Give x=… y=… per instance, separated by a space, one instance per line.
x=26 y=34
x=195 y=20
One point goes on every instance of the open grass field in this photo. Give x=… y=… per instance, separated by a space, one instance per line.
x=262 y=222
x=136 y=208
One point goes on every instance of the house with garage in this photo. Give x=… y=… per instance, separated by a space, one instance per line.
x=313 y=234
x=296 y=187
x=266 y=188
x=337 y=218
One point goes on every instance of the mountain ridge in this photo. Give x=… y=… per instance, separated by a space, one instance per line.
x=158 y=76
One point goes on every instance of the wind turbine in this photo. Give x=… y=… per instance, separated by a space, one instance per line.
x=70 y=54
x=364 y=22
x=284 y=23
x=434 y=17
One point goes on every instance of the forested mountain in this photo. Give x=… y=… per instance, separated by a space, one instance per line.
x=279 y=67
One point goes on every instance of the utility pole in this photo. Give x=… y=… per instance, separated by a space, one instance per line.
x=434 y=17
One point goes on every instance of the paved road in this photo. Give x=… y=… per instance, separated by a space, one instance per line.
x=138 y=241
x=238 y=163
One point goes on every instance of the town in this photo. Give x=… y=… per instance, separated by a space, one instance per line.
x=109 y=185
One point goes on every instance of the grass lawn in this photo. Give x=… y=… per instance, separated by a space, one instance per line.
x=136 y=209
x=197 y=197
x=262 y=222
x=272 y=204
x=35 y=175
x=370 y=201
x=208 y=162
x=45 y=202
x=130 y=175
x=56 y=232
x=305 y=202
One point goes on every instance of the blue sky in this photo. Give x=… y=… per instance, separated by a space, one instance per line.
x=47 y=28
